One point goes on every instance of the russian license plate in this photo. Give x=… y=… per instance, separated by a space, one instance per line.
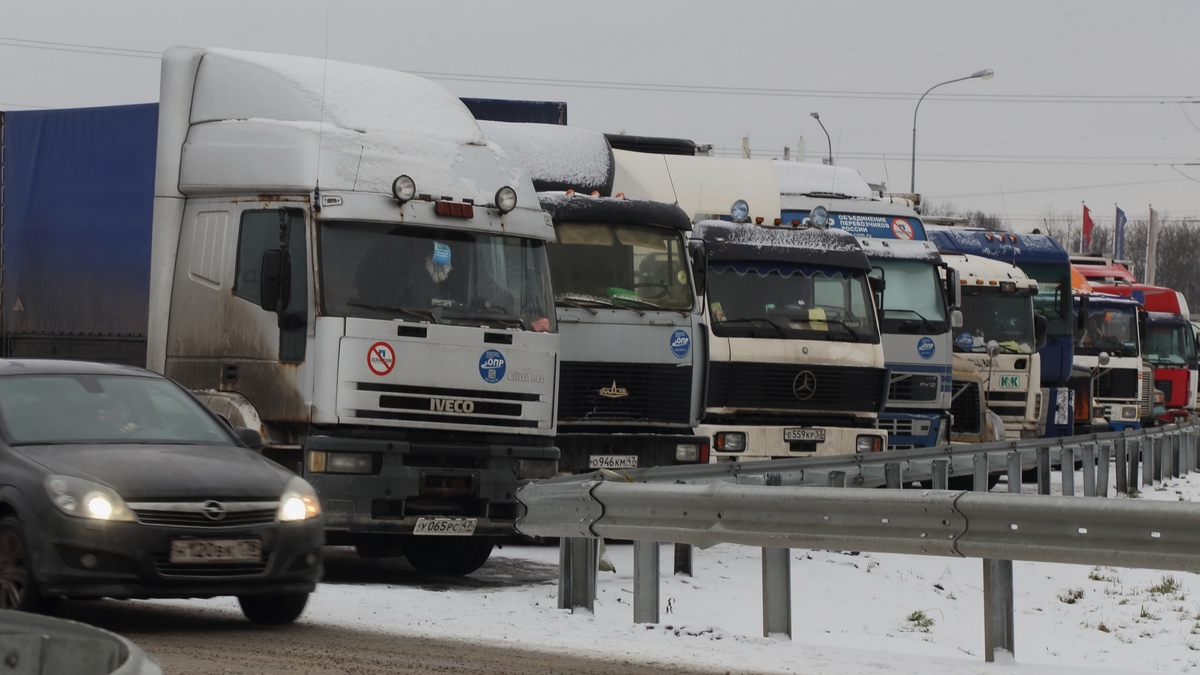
x=795 y=434
x=446 y=527
x=612 y=462
x=215 y=551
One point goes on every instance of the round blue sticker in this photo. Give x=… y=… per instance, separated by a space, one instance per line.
x=926 y=348
x=965 y=342
x=491 y=366
x=681 y=344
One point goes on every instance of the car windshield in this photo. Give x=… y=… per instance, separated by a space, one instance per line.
x=1112 y=330
x=988 y=315
x=630 y=266
x=767 y=300
x=912 y=297
x=103 y=409
x=1054 y=298
x=434 y=275
x=1168 y=345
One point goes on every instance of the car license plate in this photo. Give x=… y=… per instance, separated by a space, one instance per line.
x=612 y=462
x=817 y=435
x=446 y=527
x=215 y=551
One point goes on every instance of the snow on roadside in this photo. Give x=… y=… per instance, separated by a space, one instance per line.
x=852 y=613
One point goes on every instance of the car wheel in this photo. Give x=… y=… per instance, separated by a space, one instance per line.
x=451 y=556
x=273 y=608
x=18 y=589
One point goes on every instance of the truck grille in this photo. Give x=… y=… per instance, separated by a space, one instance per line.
x=643 y=392
x=909 y=387
x=902 y=426
x=783 y=386
x=1118 y=383
x=964 y=406
x=1147 y=397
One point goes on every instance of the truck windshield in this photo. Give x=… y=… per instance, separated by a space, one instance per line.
x=609 y=265
x=912 y=300
x=1054 y=299
x=1168 y=345
x=426 y=274
x=1006 y=318
x=780 y=301
x=1112 y=330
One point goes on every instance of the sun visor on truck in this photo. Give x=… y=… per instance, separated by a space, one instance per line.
x=728 y=242
x=579 y=208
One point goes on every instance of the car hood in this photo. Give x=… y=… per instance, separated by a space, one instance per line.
x=167 y=472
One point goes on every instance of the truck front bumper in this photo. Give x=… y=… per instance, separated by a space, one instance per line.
x=582 y=453
x=770 y=442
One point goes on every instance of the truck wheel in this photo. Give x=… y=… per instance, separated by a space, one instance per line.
x=450 y=556
x=273 y=608
x=18 y=589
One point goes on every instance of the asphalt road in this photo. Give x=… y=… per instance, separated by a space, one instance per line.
x=190 y=641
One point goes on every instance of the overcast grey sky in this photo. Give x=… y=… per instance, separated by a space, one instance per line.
x=1057 y=125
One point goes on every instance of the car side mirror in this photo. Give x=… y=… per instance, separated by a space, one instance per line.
x=250 y=437
x=1039 y=330
x=956 y=319
x=275 y=285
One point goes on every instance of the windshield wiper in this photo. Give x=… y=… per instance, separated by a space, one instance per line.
x=927 y=322
x=411 y=311
x=843 y=324
x=599 y=301
x=755 y=322
x=568 y=302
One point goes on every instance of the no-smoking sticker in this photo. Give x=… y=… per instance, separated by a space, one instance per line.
x=903 y=229
x=381 y=358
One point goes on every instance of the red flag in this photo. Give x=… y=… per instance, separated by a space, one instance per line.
x=1085 y=242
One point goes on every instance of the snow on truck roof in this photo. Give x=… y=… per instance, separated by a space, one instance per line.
x=802 y=178
x=564 y=207
x=268 y=121
x=557 y=157
x=743 y=242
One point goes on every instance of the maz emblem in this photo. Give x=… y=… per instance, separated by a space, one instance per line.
x=805 y=385
x=614 y=391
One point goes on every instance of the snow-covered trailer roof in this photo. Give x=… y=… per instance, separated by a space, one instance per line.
x=557 y=157
x=802 y=178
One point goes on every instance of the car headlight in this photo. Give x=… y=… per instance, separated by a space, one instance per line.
x=299 y=501
x=84 y=499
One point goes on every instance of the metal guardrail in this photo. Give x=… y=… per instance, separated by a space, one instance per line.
x=39 y=645
x=784 y=504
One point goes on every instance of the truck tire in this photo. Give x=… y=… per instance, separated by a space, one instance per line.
x=448 y=556
x=18 y=588
x=273 y=608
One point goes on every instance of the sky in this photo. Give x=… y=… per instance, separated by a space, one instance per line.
x=1094 y=101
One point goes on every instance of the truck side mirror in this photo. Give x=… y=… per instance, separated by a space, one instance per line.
x=275 y=287
x=1081 y=317
x=250 y=437
x=952 y=288
x=1039 y=330
x=956 y=318
x=699 y=263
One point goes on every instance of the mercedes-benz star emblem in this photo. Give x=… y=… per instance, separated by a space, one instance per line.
x=805 y=385
x=214 y=510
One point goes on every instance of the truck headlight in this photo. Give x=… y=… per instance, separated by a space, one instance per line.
x=691 y=452
x=85 y=499
x=729 y=441
x=298 y=502
x=320 y=461
x=536 y=469
x=868 y=444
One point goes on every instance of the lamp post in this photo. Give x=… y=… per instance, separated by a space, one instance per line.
x=817 y=117
x=982 y=75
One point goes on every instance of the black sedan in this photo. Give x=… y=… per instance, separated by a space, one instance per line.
x=116 y=483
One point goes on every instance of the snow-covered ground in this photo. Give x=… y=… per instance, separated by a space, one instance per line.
x=852 y=613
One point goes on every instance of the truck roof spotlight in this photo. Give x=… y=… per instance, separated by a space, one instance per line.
x=819 y=217
x=404 y=188
x=740 y=211
x=506 y=199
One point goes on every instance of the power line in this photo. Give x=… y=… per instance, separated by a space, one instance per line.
x=79 y=48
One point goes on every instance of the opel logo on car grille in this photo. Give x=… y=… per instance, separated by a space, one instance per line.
x=214 y=510
x=805 y=385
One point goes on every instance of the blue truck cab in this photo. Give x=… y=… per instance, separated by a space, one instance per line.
x=915 y=305
x=1043 y=259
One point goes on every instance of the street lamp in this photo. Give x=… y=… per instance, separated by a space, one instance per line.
x=817 y=117
x=982 y=74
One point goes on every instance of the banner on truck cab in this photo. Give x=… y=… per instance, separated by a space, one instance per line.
x=866 y=226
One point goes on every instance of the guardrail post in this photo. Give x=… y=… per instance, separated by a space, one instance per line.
x=1185 y=456
x=1135 y=463
x=837 y=479
x=1014 y=472
x=578 y=558
x=1190 y=439
x=998 y=620
x=1089 y=469
x=1158 y=459
x=683 y=559
x=941 y=474
x=1148 y=461
x=893 y=474
x=645 y=581
x=1168 y=458
x=1043 y=470
x=1067 y=465
x=1175 y=455
x=1122 y=465
x=777 y=593
x=981 y=472
x=1102 y=469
